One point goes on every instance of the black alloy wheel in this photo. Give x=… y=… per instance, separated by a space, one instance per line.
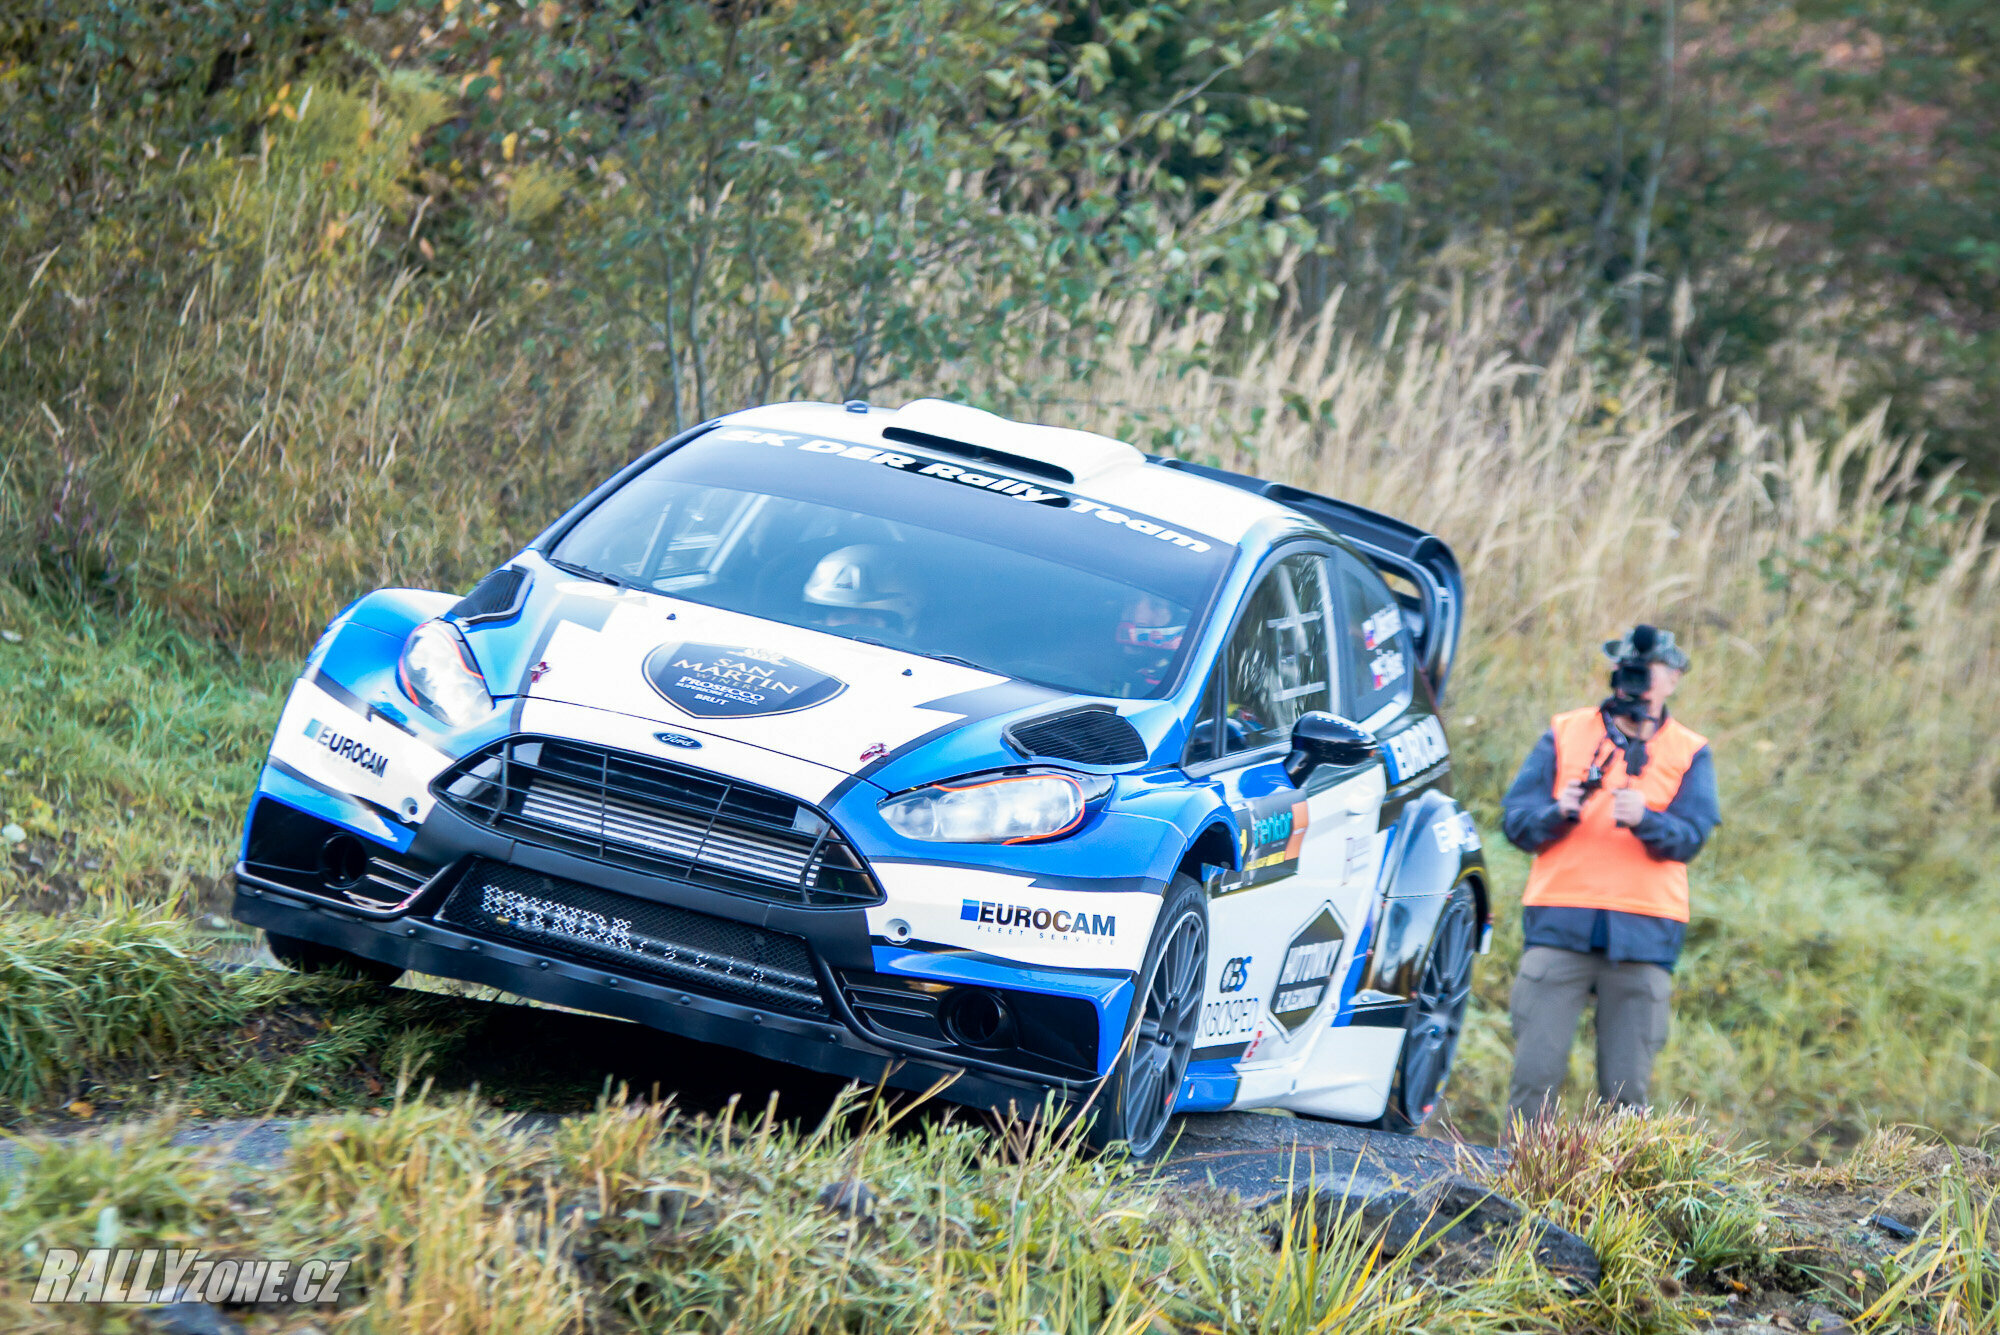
x=1137 y=1101
x=1437 y=1015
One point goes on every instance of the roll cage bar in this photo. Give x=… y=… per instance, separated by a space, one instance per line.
x=1435 y=610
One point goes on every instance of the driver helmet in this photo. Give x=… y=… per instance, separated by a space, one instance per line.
x=860 y=585
x=1149 y=635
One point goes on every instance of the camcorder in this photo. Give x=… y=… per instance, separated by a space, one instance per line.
x=1631 y=678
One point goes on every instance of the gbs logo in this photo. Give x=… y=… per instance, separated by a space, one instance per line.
x=1235 y=975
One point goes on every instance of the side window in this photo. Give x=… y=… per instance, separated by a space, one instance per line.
x=1277 y=658
x=1375 y=655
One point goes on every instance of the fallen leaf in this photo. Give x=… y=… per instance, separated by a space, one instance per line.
x=82 y=1108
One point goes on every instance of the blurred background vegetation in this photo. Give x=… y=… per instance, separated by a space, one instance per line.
x=1654 y=309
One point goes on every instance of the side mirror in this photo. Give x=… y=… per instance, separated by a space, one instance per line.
x=1320 y=738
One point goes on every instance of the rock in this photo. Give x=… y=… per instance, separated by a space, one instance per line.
x=1891 y=1225
x=189 y=1319
x=850 y=1198
x=1826 y=1321
x=1455 y=1208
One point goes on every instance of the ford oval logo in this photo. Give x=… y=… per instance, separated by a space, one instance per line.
x=679 y=739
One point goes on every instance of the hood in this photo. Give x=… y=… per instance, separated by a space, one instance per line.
x=703 y=672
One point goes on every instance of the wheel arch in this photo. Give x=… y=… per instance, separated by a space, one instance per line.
x=1427 y=860
x=1215 y=846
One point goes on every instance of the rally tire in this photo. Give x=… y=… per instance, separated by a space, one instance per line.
x=1437 y=1016
x=1133 y=1107
x=303 y=956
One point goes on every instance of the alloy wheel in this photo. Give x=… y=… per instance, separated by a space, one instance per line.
x=1438 y=1009
x=1166 y=1033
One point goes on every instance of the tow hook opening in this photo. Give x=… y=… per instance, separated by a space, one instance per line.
x=977 y=1018
x=343 y=861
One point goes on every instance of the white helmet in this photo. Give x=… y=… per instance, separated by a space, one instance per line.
x=863 y=578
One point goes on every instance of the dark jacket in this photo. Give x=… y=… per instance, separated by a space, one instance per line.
x=1533 y=822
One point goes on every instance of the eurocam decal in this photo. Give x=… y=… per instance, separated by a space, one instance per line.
x=1022 y=917
x=348 y=749
x=718 y=681
x=968 y=477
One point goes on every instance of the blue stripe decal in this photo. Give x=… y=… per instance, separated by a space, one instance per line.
x=1111 y=995
x=329 y=806
x=1208 y=1087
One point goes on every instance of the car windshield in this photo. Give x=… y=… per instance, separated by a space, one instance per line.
x=1001 y=570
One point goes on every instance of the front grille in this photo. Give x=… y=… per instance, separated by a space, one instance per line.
x=654 y=815
x=732 y=960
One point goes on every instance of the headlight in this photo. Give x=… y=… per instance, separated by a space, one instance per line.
x=1008 y=809
x=437 y=672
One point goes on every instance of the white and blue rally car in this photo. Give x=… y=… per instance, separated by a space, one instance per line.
x=910 y=744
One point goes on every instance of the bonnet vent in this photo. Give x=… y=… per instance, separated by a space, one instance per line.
x=494 y=598
x=1090 y=736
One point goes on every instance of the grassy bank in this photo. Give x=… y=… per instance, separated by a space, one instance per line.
x=636 y=1218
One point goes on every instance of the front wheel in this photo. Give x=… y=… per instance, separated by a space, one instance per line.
x=1437 y=1016
x=1133 y=1105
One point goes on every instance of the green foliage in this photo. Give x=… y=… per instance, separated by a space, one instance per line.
x=868 y=194
x=123 y=758
x=88 y=990
x=1647 y=144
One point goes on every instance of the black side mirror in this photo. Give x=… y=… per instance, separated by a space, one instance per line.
x=1320 y=738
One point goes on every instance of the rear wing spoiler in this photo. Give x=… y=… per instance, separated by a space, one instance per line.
x=1434 y=600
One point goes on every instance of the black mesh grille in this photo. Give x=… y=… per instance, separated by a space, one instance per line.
x=698 y=951
x=654 y=815
x=1087 y=736
x=498 y=595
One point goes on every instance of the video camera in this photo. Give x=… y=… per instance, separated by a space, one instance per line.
x=1632 y=677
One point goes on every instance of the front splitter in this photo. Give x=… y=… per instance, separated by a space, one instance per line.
x=427 y=947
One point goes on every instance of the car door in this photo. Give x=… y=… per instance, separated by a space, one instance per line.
x=1348 y=1072
x=1283 y=924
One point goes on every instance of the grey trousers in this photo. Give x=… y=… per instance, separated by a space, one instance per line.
x=1633 y=1002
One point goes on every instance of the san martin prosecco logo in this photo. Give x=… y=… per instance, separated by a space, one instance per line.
x=724 y=681
x=1023 y=917
x=348 y=749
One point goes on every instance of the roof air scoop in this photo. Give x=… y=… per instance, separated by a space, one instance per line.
x=1058 y=453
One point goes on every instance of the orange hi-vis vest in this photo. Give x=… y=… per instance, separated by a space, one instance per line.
x=1598 y=864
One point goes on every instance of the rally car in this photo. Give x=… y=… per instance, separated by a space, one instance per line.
x=916 y=744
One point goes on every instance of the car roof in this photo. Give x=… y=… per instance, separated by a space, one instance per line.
x=1096 y=467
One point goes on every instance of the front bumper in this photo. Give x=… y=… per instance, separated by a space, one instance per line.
x=426 y=946
x=430 y=932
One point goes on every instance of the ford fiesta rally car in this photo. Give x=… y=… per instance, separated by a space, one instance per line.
x=904 y=744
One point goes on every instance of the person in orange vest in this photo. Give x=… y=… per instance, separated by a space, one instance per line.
x=1614 y=802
